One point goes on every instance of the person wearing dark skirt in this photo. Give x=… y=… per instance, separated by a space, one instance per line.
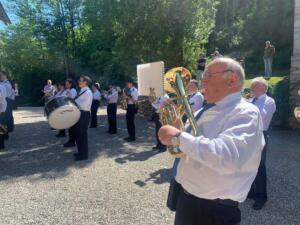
x=84 y=101
x=112 y=98
x=95 y=105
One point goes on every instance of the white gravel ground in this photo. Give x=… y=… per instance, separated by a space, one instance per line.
x=121 y=183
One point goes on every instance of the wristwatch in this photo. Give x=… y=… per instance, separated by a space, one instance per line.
x=175 y=139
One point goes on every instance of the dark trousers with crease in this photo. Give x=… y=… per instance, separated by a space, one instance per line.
x=157 y=127
x=80 y=133
x=130 y=114
x=8 y=115
x=196 y=211
x=258 y=191
x=112 y=117
x=2 y=137
x=94 y=110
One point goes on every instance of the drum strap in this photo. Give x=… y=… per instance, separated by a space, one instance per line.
x=79 y=95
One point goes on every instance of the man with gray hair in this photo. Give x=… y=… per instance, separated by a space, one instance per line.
x=219 y=165
x=267 y=107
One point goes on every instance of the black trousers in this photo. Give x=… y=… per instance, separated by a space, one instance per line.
x=2 y=137
x=112 y=117
x=157 y=127
x=130 y=114
x=80 y=133
x=94 y=110
x=62 y=132
x=258 y=189
x=196 y=211
x=8 y=118
x=72 y=135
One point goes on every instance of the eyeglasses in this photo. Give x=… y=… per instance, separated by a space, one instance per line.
x=209 y=75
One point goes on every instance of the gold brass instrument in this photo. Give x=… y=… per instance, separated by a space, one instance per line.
x=124 y=99
x=175 y=82
x=152 y=95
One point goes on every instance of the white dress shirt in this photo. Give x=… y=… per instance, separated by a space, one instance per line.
x=223 y=161
x=112 y=96
x=10 y=93
x=84 y=101
x=196 y=101
x=159 y=101
x=96 y=95
x=3 y=103
x=49 y=90
x=71 y=93
x=61 y=93
x=134 y=95
x=267 y=108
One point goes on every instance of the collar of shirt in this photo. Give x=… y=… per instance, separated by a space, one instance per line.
x=229 y=100
x=83 y=89
x=262 y=96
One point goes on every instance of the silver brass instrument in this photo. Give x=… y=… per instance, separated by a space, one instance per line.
x=175 y=82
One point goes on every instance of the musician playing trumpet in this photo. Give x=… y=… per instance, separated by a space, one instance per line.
x=132 y=97
x=218 y=166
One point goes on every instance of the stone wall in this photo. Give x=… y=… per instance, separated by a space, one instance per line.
x=295 y=65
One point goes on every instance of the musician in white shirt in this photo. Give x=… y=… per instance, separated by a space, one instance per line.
x=10 y=99
x=220 y=165
x=132 y=96
x=3 y=105
x=61 y=92
x=84 y=101
x=112 y=98
x=267 y=108
x=70 y=87
x=196 y=98
x=157 y=104
x=95 y=104
x=49 y=90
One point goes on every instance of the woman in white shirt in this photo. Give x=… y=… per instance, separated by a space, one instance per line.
x=95 y=104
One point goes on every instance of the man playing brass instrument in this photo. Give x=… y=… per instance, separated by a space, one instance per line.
x=220 y=165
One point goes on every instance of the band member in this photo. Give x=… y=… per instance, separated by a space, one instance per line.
x=84 y=101
x=267 y=107
x=49 y=91
x=71 y=93
x=156 y=105
x=196 y=98
x=112 y=98
x=95 y=104
x=220 y=165
x=3 y=105
x=61 y=92
x=132 y=97
x=10 y=99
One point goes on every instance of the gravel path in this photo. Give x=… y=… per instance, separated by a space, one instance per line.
x=121 y=183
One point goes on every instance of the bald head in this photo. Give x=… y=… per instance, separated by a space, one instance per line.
x=231 y=65
x=222 y=77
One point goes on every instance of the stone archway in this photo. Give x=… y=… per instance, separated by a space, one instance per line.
x=295 y=62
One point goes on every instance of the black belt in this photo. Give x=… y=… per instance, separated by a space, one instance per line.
x=227 y=202
x=112 y=103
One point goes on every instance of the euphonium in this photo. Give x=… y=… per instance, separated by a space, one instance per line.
x=175 y=82
x=124 y=99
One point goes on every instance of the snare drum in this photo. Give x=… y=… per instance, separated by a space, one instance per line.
x=61 y=112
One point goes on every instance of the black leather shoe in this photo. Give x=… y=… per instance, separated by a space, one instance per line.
x=81 y=158
x=129 y=139
x=257 y=206
x=162 y=150
x=69 y=144
x=155 y=148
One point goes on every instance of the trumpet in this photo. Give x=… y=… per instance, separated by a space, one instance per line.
x=175 y=82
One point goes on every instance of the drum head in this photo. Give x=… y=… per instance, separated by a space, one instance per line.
x=297 y=113
x=64 y=117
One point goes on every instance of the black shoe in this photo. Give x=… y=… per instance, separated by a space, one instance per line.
x=75 y=154
x=160 y=150
x=80 y=158
x=257 y=206
x=129 y=139
x=155 y=148
x=60 y=135
x=69 y=144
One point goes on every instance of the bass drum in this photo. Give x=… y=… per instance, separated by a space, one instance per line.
x=62 y=113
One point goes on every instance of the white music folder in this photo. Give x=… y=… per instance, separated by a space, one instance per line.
x=151 y=75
